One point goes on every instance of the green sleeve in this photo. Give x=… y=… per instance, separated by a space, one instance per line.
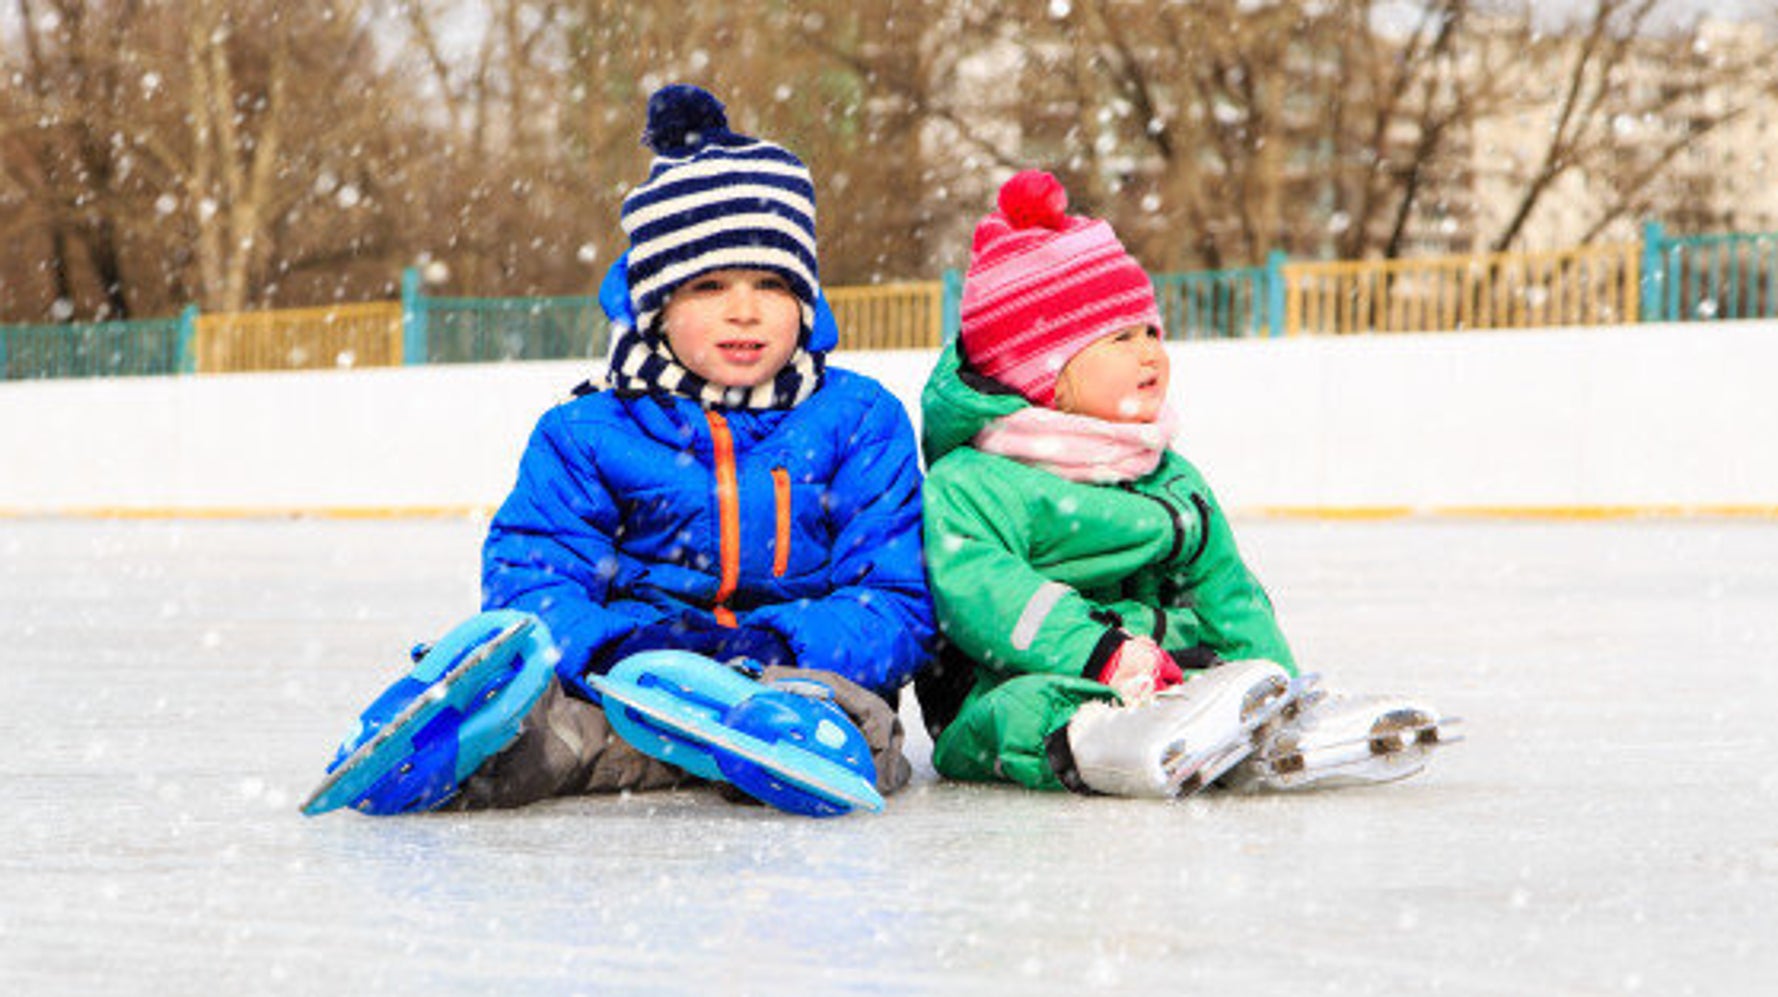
x=1223 y=605
x=991 y=602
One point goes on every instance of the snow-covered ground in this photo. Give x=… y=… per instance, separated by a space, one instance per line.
x=172 y=690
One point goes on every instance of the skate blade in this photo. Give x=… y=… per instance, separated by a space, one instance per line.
x=1389 y=755
x=677 y=685
x=675 y=727
x=459 y=686
x=1262 y=714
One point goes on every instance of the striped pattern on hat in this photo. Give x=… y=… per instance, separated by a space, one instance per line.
x=716 y=200
x=1043 y=285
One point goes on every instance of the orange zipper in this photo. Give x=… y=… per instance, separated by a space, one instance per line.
x=728 y=511
x=781 y=491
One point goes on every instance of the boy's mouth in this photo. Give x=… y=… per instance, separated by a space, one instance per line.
x=740 y=350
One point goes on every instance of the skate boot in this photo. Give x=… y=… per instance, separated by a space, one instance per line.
x=1185 y=737
x=463 y=702
x=1339 y=739
x=785 y=744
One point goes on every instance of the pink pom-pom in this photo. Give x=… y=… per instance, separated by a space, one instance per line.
x=1034 y=199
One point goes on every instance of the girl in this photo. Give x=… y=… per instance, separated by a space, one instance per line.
x=1080 y=568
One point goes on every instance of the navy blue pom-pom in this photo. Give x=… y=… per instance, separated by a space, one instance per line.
x=681 y=118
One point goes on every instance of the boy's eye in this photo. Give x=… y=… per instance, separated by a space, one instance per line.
x=772 y=282
x=706 y=284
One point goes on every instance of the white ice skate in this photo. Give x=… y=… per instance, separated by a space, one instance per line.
x=1181 y=740
x=1338 y=739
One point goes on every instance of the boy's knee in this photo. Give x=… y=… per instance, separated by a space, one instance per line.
x=881 y=726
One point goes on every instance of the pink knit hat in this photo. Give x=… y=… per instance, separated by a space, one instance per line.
x=1043 y=285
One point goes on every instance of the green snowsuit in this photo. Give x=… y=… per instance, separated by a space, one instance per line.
x=1038 y=580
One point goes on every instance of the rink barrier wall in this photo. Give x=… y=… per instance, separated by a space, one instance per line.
x=1646 y=420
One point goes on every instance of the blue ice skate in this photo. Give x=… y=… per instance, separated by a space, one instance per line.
x=463 y=702
x=785 y=744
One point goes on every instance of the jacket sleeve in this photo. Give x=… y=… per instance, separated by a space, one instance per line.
x=549 y=549
x=1003 y=613
x=875 y=625
x=1229 y=611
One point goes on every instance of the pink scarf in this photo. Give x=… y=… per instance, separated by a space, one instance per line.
x=1078 y=447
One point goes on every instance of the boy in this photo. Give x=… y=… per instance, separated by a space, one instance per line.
x=723 y=492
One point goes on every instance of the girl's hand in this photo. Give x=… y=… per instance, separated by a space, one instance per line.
x=1140 y=669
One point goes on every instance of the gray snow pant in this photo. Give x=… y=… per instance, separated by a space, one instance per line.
x=566 y=747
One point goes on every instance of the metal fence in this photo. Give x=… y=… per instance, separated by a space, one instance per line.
x=336 y=336
x=889 y=316
x=1665 y=278
x=96 y=349
x=1593 y=285
x=1215 y=304
x=490 y=330
x=1704 y=277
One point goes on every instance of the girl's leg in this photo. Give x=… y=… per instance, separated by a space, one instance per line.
x=1003 y=734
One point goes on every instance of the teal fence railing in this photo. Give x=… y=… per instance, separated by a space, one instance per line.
x=1219 y=304
x=492 y=330
x=1696 y=278
x=95 y=349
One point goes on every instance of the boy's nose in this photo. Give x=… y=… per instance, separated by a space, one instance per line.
x=743 y=304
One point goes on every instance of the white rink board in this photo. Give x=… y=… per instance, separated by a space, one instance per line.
x=1656 y=417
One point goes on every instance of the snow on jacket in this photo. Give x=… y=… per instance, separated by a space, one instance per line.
x=632 y=510
x=1035 y=574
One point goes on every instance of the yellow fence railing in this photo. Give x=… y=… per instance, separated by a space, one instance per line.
x=1590 y=285
x=904 y=316
x=355 y=335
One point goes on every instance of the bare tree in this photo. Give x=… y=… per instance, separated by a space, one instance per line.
x=1632 y=94
x=58 y=149
x=192 y=152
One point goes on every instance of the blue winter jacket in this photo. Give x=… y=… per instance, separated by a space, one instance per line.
x=632 y=510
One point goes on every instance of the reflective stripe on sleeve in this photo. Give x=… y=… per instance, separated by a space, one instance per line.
x=1024 y=632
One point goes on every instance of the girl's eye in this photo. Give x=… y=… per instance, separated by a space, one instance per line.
x=773 y=283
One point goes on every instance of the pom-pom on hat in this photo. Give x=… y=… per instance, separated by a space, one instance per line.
x=1042 y=285
x=715 y=200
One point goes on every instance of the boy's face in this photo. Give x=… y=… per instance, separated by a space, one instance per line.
x=1119 y=378
x=736 y=328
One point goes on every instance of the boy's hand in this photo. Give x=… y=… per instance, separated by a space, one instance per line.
x=1140 y=669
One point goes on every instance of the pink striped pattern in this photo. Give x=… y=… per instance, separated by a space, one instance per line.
x=1038 y=293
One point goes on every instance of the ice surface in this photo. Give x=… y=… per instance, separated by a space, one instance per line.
x=173 y=690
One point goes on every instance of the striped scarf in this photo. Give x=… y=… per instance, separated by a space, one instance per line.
x=645 y=365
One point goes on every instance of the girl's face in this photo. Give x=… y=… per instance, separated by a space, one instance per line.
x=1119 y=378
x=735 y=328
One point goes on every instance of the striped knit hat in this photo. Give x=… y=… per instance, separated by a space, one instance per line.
x=1043 y=285
x=715 y=200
